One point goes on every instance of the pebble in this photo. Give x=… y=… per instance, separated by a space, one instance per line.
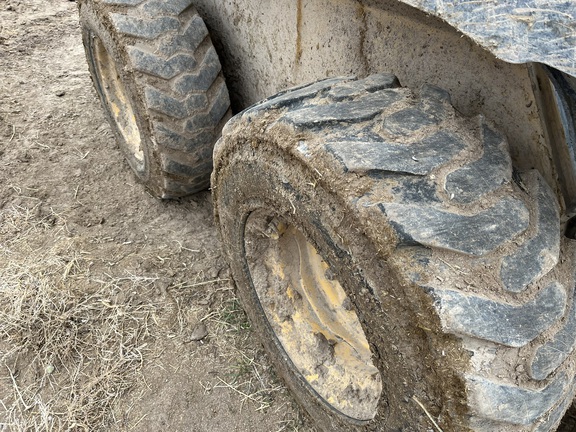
x=199 y=332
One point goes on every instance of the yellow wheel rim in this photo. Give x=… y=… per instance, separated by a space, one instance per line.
x=117 y=101
x=314 y=320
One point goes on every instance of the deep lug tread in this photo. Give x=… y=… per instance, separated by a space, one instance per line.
x=172 y=107
x=356 y=88
x=171 y=166
x=421 y=189
x=551 y=419
x=497 y=321
x=293 y=96
x=552 y=354
x=220 y=104
x=538 y=255
x=436 y=102
x=477 y=234
x=186 y=42
x=416 y=190
x=513 y=404
x=346 y=111
x=158 y=66
x=183 y=142
x=487 y=174
x=216 y=112
x=201 y=80
x=166 y=43
x=408 y=121
x=172 y=7
x=418 y=158
x=178 y=109
x=379 y=81
x=144 y=28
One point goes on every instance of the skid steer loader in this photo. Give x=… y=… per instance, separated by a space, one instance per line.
x=394 y=182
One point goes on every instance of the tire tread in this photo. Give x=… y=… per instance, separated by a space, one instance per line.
x=418 y=173
x=177 y=72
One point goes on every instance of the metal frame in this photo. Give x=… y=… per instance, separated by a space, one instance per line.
x=556 y=97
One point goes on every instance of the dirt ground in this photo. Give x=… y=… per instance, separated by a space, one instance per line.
x=116 y=309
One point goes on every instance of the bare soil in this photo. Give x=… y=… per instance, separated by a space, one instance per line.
x=116 y=309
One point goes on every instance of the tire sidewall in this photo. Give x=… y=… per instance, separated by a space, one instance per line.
x=258 y=187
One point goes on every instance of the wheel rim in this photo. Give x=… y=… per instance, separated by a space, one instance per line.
x=117 y=102
x=312 y=319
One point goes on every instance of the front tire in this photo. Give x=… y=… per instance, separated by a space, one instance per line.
x=448 y=261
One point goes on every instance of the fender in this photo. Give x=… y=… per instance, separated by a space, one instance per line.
x=525 y=31
x=541 y=32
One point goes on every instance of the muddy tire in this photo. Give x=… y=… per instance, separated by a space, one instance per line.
x=161 y=85
x=357 y=215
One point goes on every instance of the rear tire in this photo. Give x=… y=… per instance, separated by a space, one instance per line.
x=160 y=82
x=449 y=259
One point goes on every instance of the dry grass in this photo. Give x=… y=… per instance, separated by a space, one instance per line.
x=248 y=375
x=74 y=338
x=71 y=344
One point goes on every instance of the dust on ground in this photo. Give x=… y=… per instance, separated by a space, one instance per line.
x=116 y=310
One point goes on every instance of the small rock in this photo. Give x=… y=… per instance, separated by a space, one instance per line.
x=199 y=332
x=60 y=93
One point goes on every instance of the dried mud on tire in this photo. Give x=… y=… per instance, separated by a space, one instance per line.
x=455 y=263
x=156 y=62
x=78 y=230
